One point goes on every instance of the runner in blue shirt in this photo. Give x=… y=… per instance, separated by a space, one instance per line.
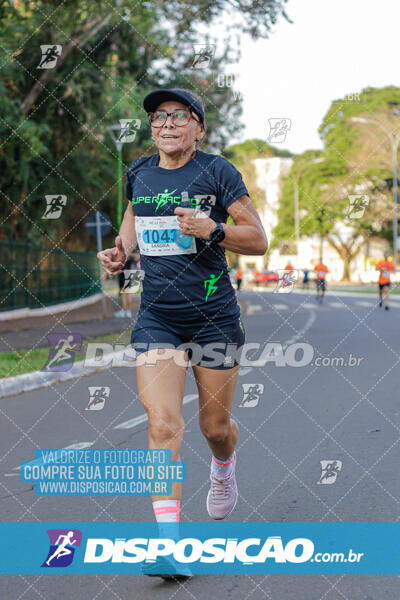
x=179 y=202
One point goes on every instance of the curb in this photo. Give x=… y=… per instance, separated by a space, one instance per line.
x=333 y=293
x=11 y=386
x=328 y=293
x=21 y=313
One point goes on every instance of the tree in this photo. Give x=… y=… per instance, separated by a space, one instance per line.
x=242 y=156
x=54 y=121
x=356 y=162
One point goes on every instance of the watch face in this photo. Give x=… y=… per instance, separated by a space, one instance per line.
x=218 y=234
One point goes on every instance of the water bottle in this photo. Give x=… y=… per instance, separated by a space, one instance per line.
x=181 y=240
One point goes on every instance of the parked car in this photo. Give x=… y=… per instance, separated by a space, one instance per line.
x=264 y=277
x=259 y=277
x=272 y=276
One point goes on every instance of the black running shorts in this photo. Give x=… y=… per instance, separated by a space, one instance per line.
x=212 y=343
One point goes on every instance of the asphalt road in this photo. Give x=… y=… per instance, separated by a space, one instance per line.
x=341 y=410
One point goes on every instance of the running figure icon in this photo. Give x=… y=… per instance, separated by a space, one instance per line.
x=49 y=56
x=55 y=205
x=63 y=347
x=212 y=288
x=62 y=549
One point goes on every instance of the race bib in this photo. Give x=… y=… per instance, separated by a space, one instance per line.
x=321 y=273
x=385 y=274
x=160 y=236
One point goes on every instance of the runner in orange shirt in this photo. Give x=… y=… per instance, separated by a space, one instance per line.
x=238 y=273
x=320 y=272
x=385 y=267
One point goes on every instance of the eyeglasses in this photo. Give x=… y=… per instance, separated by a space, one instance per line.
x=180 y=117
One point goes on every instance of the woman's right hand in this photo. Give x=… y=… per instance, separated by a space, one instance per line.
x=113 y=259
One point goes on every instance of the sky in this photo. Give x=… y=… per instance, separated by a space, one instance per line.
x=332 y=49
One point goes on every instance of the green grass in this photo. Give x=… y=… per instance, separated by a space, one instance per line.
x=18 y=362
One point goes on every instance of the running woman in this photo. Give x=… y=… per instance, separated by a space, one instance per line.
x=385 y=267
x=320 y=273
x=187 y=293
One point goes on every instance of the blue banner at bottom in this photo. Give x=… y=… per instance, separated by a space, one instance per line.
x=209 y=547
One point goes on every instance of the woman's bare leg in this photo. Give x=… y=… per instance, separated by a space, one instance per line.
x=161 y=388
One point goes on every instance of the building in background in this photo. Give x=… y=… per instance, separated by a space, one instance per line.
x=270 y=172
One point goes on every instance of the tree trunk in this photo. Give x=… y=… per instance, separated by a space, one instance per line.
x=77 y=40
x=346 y=268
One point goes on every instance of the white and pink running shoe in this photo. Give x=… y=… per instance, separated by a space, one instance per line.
x=223 y=494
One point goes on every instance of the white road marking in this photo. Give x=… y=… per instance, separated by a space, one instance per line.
x=280 y=306
x=245 y=370
x=364 y=303
x=132 y=422
x=252 y=308
x=337 y=304
x=310 y=321
x=307 y=305
x=143 y=418
x=299 y=334
x=76 y=446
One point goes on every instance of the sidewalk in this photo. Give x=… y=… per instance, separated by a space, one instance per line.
x=88 y=321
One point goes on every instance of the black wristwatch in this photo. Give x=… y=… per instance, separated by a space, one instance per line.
x=217 y=235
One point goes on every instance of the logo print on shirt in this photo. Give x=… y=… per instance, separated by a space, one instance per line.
x=209 y=284
x=163 y=198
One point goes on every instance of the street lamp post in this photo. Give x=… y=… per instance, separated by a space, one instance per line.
x=296 y=212
x=394 y=141
x=296 y=180
x=118 y=144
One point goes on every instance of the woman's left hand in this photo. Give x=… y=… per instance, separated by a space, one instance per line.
x=194 y=222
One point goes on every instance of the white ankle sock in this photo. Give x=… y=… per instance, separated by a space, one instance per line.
x=167 y=511
x=222 y=468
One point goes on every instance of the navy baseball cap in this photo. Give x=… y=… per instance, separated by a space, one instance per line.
x=154 y=99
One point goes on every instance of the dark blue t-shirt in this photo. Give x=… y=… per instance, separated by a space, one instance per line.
x=183 y=276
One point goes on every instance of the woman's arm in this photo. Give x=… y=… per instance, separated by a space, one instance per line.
x=127 y=230
x=113 y=259
x=247 y=236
